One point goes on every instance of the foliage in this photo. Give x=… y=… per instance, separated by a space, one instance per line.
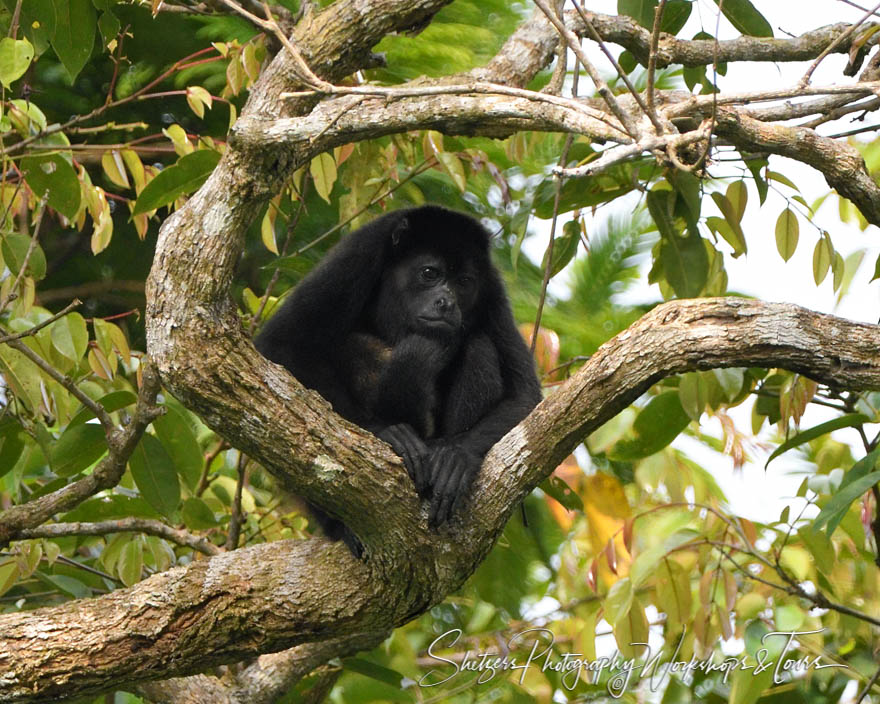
x=102 y=136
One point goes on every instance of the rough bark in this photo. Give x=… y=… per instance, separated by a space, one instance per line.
x=274 y=596
x=312 y=596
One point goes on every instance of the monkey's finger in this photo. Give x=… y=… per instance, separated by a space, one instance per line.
x=461 y=490
x=412 y=451
x=444 y=496
x=441 y=464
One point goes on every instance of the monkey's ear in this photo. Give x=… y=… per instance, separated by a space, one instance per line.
x=399 y=229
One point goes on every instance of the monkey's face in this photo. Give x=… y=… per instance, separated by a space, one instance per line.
x=433 y=294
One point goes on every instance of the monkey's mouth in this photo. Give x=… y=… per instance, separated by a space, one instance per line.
x=436 y=323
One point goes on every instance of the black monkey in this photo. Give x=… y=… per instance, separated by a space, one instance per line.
x=406 y=330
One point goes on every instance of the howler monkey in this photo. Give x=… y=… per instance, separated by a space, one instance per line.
x=406 y=330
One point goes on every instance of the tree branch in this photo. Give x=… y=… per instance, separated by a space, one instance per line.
x=282 y=594
x=121 y=443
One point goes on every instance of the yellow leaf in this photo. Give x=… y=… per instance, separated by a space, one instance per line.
x=267 y=228
x=607 y=509
x=178 y=138
x=103 y=232
x=111 y=162
x=135 y=168
x=198 y=99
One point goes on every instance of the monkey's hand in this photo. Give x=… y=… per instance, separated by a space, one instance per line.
x=412 y=450
x=452 y=471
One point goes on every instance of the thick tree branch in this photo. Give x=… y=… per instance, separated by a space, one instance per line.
x=626 y=32
x=279 y=595
x=841 y=164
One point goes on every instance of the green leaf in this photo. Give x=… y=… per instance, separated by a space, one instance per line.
x=748 y=685
x=564 y=248
x=110 y=507
x=738 y=196
x=833 y=512
x=131 y=562
x=619 y=600
x=782 y=178
x=8 y=575
x=14 y=249
x=52 y=174
x=452 y=165
x=685 y=264
x=557 y=488
x=732 y=234
x=858 y=471
x=78 y=447
x=756 y=167
x=642 y=11
x=197 y=515
x=820 y=548
x=693 y=395
x=822 y=256
x=657 y=425
x=184 y=177
x=178 y=439
x=155 y=476
x=66 y=584
x=74 y=33
x=727 y=208
x=109 y=26
x=730 y=380
x=682 y=258
x=10 y=450
x=787 y=233
x=323 y=171
x=838 y=269
x=850 y=420
x=374 y=671
x=15 y=57
x=745 y=18
x=673 y=590
x=111 y=402
x=21 y=376
x=70 y=336
x=646 y=563
x=675 y=16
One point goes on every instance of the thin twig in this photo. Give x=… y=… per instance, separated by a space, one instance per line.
x=291 y=227
x=39 y=326
x=65 y=381
x=570 y=37
x=652 y=115
x=871 y=683
x=699 y=101
x=124 y=525
x=306 y=75
x=32 y=245
x=615 y=155
x=549 y=253
x=652 y=55
x=234 y=534
x=837 y=40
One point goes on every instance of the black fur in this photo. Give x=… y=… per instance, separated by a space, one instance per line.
x=406 y=329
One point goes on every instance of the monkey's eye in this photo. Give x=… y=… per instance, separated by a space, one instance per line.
x=429 y=274
x=466 y=280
